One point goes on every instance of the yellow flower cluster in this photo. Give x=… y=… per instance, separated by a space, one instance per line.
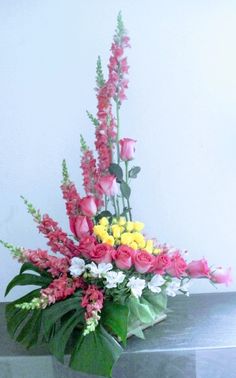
x=122 y=232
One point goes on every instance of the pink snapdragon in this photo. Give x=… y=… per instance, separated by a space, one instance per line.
x=61 y=288
x=57 y=239
x=92 y=300
x=56 y=266
x=72 y=198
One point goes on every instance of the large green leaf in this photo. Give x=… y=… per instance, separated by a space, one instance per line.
x=115 y=319
x=30 y=332
x=158 y=301
x=125 y=189
x=55 y=312
x=116 y=170
x=140 y=311
x=28 y=279
x=96 y=353
x=28 y=266
x=59 y=341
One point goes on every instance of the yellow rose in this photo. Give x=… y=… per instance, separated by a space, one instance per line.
x=109 y=240
x=122 y=221
x=138 y=226
x=134 y=245
x=98 y=230
x=116 y=230
x=156 y=251
x=126 y=238
x=129 y=226
x=139 y=239
x=104 y=222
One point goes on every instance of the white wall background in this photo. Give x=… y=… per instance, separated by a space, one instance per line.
x=181 y=109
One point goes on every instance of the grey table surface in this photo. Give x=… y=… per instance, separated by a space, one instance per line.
x=196 y=340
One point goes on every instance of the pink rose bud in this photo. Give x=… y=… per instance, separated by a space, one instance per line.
x=88 y=206
x=108 y=185
x=101 y=253
x=127 y=149
x=177 y=265
x=198 y=268
x=222 y=276
x=143 y=261
x=123 y=257
x=81 y=225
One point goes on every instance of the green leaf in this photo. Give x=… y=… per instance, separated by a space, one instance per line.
x=58 y=343
x=15 y=316
x=105 y=213
x=28 y=279
x=134 y=172
x=140 y=311
x=28 y=266
x=115 y=318
x=158 y=301
x=30 y=332
x=125 y=190
x=116 y=170
x=96 y=353
x=56 y=311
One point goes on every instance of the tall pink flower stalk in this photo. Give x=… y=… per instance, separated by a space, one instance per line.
x=56 y=266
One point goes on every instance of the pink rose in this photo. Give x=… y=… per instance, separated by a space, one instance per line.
x=198 y=268
x=101 y=253
x=86 y=245
x=123 y=257
x=88 y=206
x=221 y=275
x=108 y=185
x=143 y=261
x=177 y=265
x=81 y=225
x=162 y=262
x=127 y=149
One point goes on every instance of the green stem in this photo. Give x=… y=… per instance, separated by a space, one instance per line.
x=106 y=202
x=118 y=207
x=114 y=205
x=118 y=131
x=123 y=203
x=126 y=180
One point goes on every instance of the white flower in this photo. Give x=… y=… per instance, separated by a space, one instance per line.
x=155 y=283
x=136 y=286
x=114 y=278
x=77 y=266
x=100 y=270
x=172 y=288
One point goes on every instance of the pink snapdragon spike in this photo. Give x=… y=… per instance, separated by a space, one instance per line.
x=55 y=265
x=58 y=240
x=61 y=288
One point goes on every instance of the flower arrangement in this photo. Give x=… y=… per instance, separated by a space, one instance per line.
x=107 y=280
